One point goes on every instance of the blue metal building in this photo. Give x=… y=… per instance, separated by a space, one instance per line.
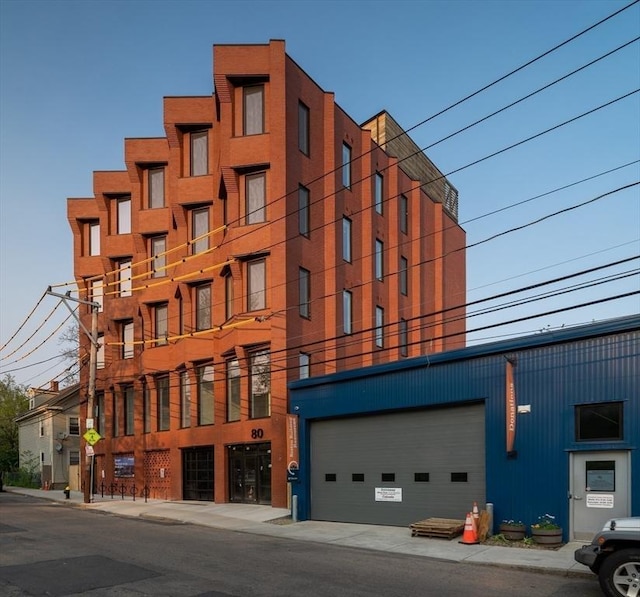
x=545 y=424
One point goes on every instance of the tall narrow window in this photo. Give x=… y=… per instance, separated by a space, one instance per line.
x=228 y=296
x=404 y=214
x=256 y=285
x=146 y=393
x=205 y=394
x=161 y=324
x=404 y=276
x=378 y=261
x=185 y=400
x=260 y=385
x=404 y=338
x=124 y=215
x=74 y=426
x=304 y=287
x=99 y=413
x=96 y=293
x=156 y=187
x=254 y=110
x=379 y=327
x=115 y=415
x=94 y=238
x=199 y=153
x=346 y=311
x=346 y=239
x=100 y=356
x=124 y=277
x=203 y=307
x=162 y=400
x=199 y=230
x=129 y=405
x=378 y=192
x=304 y=365
x=233 y=390
x=127 y=340
x=157 y=250
x=304 y=224
x=255 y=198
x=303 y=128
x=346 y=166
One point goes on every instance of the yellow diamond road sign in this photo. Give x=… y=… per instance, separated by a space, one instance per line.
x=92 y=436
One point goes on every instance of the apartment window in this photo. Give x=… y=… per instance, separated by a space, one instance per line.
x=404 y=214
x=124 y=215
x=304 y=288
x=378 y=192
x=204 y=375
x=100 y=354
x=260 y=384
x=256 y=285
x=124 y=277
x=127 y=339
x=199 y=230
x=156 y=187
x=41 y=427
x=254 y=110
x=599 y=422
x=404 y=338
x=96 y=293
x=158 y=248
x=233 y=390
x=346 y=166
x=94 y=238
x=161 y=324
x=304 y=221
x=379 y=327
x=129 y=401
x=74 y=426
x=162 y=400
x=74 y=458
x=146 y=417
x=99 y=412
x=346 y=239
x=185 y=400
x=199 y=153
x=378 y=259
x=203 y=307
x=228 y=296
x=347 y=305
x=304 y=365
x=303 y=128
x=255 y=198
x=404 y=271
x=115 y=418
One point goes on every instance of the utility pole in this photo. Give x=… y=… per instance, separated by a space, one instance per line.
x=93 y=365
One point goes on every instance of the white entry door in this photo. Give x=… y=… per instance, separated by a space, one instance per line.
x=599 y=490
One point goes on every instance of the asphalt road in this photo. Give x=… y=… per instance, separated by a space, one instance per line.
x=51 y=549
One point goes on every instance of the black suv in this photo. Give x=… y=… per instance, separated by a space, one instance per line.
x=614 y=555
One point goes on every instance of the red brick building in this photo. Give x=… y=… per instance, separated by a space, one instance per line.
x=266 y=237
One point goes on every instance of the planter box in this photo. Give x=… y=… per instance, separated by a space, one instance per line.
x=550 y=537
x=512 y=532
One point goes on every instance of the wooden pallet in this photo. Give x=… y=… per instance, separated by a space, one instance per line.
x=445 y=528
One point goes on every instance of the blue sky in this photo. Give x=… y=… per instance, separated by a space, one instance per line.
x=76 y=78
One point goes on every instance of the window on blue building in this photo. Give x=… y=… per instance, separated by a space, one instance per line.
x=599 y=422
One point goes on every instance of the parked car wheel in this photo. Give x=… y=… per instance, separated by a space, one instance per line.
x=619 y=574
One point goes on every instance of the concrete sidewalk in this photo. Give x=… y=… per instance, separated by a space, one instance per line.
x=259 y=520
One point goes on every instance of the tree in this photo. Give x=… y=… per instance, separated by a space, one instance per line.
x=13 y=403
x=70 y=343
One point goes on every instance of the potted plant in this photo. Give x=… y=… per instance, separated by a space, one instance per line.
x=513 y=530
x=547 y=531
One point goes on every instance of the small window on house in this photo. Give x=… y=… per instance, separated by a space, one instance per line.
x=74 y=458
x=330 y=477
x=404 y=338
x=458 y=477
x=346 y=239
x=357 y=477
x=304 y=365
x=388 y=477
x=157 y=250
x=127 y=339
x=379 y=259
x=203 y=307
x=199 y=230
x=421 y=477
x=74 y=426
x=404 y=214
x=256 y=285
x=347 y=306
x=346 y=166
x=199 y=153
x=41 y=427
x=378 y=198
x=304 y=288
x=161 y=324
x=379 y=327
x=599 y=422
x=124 y=277
x=404 y=276
x=155 y=183
x=304 y=222
x=94 y=238
x=124 y=215
x=303 y=128
x=253 y=110
x=255 y=198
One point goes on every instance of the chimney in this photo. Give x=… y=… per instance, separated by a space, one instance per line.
x=53 y=386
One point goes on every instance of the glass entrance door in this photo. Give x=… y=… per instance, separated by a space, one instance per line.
x=250 y=473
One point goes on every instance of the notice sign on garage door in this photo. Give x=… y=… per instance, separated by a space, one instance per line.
x=388 y=494
x=599 y=500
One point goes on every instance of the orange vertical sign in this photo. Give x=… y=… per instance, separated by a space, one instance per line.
x=510 y=407
x=292 y=441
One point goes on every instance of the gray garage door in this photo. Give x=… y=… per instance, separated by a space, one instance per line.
x=398 y=468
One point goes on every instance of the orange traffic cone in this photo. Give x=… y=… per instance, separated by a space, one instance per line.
x=470 y=535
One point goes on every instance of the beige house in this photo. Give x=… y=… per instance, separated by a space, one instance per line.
x=49 y=436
